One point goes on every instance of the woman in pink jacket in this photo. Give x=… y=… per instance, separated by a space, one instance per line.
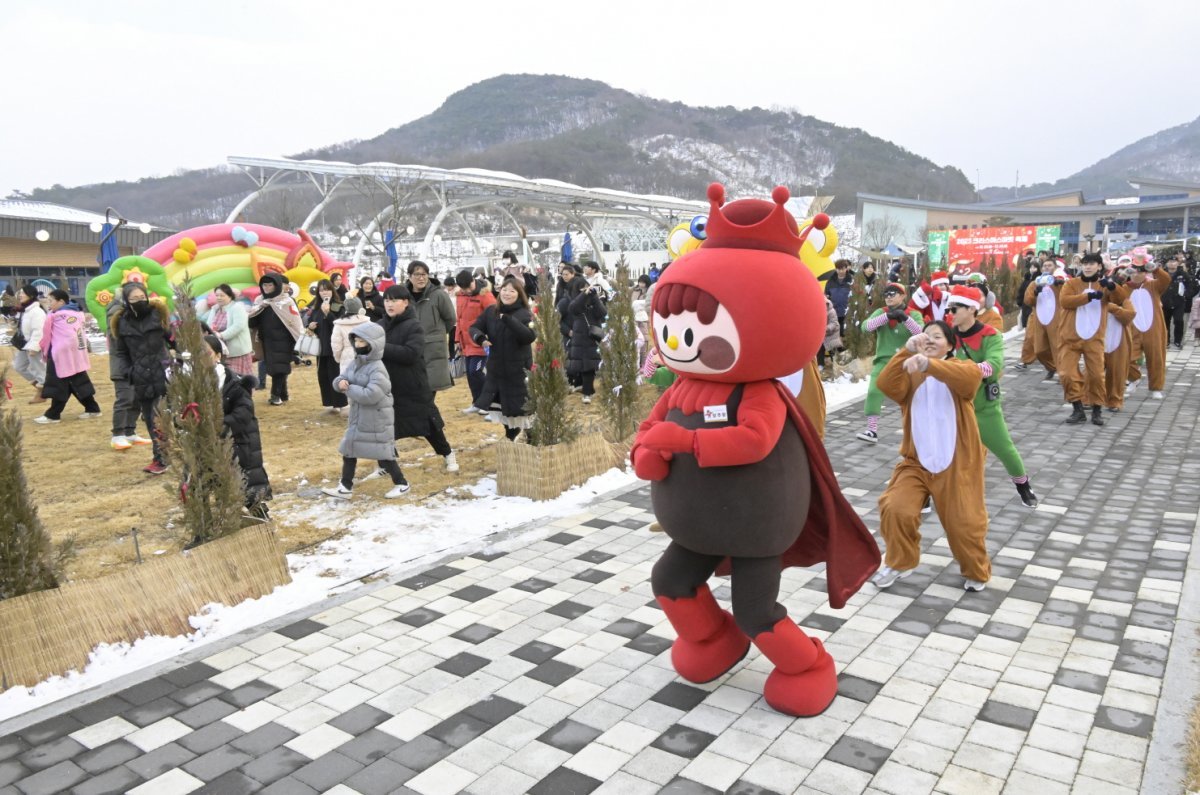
x=65 y=349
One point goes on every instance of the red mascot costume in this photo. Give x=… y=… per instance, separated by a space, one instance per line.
x=740 y=480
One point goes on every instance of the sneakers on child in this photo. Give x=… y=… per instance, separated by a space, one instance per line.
x=44 y=420
x=399 y=490
x=155 y=468
x=275 y=401
x=133 y=438
x=869 y=436
x=339 y=493
x=120 y=443
x=973 y=585
x=378 y=472
x=886 y=576
x=90 y=415
x=451 y=463
x=1156 y=394
x=587 y=399
x=1020 y=366
x=470 y=410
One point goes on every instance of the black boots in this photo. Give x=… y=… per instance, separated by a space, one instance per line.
x=1096 y=418
x=1027 y=496
x=1078 y=415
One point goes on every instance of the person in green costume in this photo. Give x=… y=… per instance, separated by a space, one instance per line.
x=984 y=345
x=892 y=327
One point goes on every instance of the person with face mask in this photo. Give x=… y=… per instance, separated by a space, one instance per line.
x=368 y=388
x=275 y=322
x=141 y=334
x=942 y=457
x=892 y=326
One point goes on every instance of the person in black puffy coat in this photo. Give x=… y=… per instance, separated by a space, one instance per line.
x=241 y=425
x=275 y=321
x=584 y=310
x=403 y=355
x=140 y=331
x=506 y=330
x=326 y=308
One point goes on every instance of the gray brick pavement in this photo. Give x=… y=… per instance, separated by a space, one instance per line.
x=544 y=668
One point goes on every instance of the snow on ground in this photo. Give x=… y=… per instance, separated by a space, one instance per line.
x=377 y=541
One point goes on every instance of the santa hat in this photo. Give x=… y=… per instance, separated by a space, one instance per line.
x=966 y=296
x=938 y=277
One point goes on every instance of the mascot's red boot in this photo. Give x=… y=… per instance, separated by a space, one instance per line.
x=740 y=480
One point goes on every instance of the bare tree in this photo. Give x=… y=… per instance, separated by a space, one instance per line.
x=878 y=232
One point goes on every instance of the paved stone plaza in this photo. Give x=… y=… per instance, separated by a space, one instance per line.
x=541 y=664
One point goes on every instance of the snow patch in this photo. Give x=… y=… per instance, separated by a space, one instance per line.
x=378 y=541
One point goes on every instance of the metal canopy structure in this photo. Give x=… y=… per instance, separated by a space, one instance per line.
x=457 y=191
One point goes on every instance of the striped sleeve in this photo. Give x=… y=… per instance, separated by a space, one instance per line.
x=875 y=323
x=986 y=369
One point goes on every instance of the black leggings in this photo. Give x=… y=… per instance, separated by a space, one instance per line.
x=279 y=386
x=390 y=466
x=755 y=583
x=327 y=371
x=588 y=382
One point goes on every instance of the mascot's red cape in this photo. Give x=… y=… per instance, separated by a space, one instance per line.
x=741 y=482
x=787 y=324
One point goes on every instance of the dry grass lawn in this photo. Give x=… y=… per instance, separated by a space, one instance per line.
x=84 y=488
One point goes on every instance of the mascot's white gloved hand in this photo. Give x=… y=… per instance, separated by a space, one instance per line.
x=915 y=364
x=916 y=341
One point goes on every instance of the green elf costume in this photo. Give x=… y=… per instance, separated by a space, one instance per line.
x=892 y=327
x=984 y=345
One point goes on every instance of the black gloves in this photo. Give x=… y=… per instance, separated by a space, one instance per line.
x=896 y=315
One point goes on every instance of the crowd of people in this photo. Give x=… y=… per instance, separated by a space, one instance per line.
x=1092 y=323
x=384 y=350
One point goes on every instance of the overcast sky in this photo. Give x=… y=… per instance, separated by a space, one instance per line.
x=131 y=88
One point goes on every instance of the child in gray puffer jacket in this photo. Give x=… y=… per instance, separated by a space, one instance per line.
x=369 y=429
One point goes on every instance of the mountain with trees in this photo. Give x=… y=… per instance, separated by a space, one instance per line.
x=579 y=131
x=1172 y=154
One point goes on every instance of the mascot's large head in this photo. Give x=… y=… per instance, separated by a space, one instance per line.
x=742 y=307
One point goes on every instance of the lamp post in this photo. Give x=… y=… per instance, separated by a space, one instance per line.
x=1089 y=237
